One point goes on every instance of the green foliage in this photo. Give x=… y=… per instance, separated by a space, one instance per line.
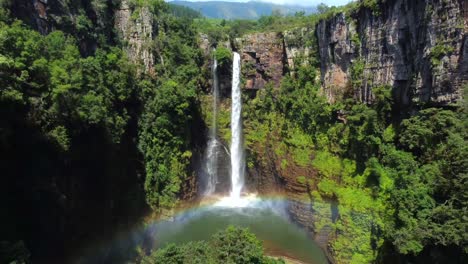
x=193 y=252
x=60 y=135
x=76 y=91
x=215 y=29
x=303 y=105
x=238 y=28
x=372 y=5
x=237 y=246
x=357 y=73
x=4 y=11
x=223 y=56
x=301 y=180
x=438 y=52
x=83 y=25
x=163 y=133
x=68 y=95
x=322 y=8
x=14 y=252
x=356 y=40
x=154 y=5
x=432 y=196
x=233 y=246
x=169 y=108
x=425 y=131
x=219 y=29
x=328 y=165
x=67 y=118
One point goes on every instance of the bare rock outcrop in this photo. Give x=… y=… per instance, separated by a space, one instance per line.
x=137 y=32
x=262 y=58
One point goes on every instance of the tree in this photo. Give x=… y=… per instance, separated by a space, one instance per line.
x=233 y=246
x=237 y=246
x=322 y=8
x=223 y=56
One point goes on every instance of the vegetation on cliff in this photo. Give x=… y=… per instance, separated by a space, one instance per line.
x=170 y=108
x=398 y=180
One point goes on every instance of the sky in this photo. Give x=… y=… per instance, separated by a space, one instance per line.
x=290 y=2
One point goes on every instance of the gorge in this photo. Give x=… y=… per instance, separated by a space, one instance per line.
x=137 y=132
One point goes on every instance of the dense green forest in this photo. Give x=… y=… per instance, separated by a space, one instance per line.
x=233 y=245
x=82 y=129
x=399 y=183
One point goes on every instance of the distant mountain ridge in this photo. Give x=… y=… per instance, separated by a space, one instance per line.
x=235 y=10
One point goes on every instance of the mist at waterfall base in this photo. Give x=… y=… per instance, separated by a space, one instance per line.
x=267 y=218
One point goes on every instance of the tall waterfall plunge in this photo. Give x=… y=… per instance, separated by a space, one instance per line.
x=237 y=151
x=211 y=155
x=214 y=146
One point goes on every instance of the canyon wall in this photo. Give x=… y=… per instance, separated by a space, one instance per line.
x=267 y=57
x=86 y=19
x=262 y=59
x=137 y=33
x=83 y=19
x=417 y=47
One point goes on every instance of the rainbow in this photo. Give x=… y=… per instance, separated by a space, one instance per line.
x=173 y=225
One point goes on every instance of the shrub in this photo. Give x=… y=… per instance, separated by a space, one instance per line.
x=438 y=52
x=223 y=56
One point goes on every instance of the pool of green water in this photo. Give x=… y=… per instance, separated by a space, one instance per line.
x=267 y=220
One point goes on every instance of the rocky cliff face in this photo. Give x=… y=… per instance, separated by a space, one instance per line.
x=83 y=19
x=35 y=13
x=417 y=47
x=86 y=19
x=265 y=57
x=262 y=58
x=137 y=31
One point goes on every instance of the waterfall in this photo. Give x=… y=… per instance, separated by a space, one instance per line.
x=211 y=155
x=237 y=152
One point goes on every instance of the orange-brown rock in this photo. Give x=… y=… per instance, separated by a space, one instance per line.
x=262 y=57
